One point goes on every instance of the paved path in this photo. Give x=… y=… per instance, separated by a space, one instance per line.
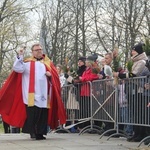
x=66 y=141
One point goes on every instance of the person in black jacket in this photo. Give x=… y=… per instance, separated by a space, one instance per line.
x=81 y=69
x=81 y=66
x=74 y=80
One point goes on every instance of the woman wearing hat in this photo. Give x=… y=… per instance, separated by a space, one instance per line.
x=85 y=101
x=139 y=60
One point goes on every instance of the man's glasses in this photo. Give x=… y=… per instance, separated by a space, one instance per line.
x=36 y=50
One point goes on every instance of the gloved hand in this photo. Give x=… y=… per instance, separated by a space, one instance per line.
x=66 y=75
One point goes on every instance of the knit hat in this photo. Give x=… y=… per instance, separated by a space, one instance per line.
x=82 y=58
x=138 y=48
x=92 y=57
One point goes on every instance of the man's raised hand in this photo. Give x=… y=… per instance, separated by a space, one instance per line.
x=21 y=51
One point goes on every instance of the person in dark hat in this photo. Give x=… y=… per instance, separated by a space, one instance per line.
x=75 y=80
x=139 y=60
x=138 y=48
x=84 y=100
x=79 y=72
x=81 y=65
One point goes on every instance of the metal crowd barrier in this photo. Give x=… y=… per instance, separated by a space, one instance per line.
x=137 y=100
x=89 y=104
x=100 y=102
x=78 y=107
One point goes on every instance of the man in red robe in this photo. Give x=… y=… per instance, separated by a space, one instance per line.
x=31 y=97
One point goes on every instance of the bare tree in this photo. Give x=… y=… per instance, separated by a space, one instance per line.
x=13 y=32
x=119 y=22
x=81 y=27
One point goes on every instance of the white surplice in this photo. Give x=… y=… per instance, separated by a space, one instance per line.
x=41 y=83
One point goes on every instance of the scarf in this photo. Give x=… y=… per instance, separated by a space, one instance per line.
x=31 y=84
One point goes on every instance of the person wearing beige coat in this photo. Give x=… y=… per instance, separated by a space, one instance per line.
x=139 y=61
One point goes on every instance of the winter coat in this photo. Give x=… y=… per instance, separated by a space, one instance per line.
x=139 y=62
x=81 y=70
x=87 y=76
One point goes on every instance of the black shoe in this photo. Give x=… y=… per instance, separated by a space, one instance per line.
x=40 y=137
x=147 y=142
x=32 y=136
x=92 y=132
x=129 y=139
x=137 y=139
x=116 y=136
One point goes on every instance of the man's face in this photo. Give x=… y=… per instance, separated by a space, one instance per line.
x=80 y=63
x=37 y=51
x=108 y=59
x=103 y=62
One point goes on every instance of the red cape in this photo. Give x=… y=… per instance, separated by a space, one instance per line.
x=13 y=109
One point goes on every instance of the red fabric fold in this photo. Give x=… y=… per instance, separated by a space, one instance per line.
x=13 y=109
x=57 y=113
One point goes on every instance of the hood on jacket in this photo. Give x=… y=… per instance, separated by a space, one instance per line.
x=139 y=57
